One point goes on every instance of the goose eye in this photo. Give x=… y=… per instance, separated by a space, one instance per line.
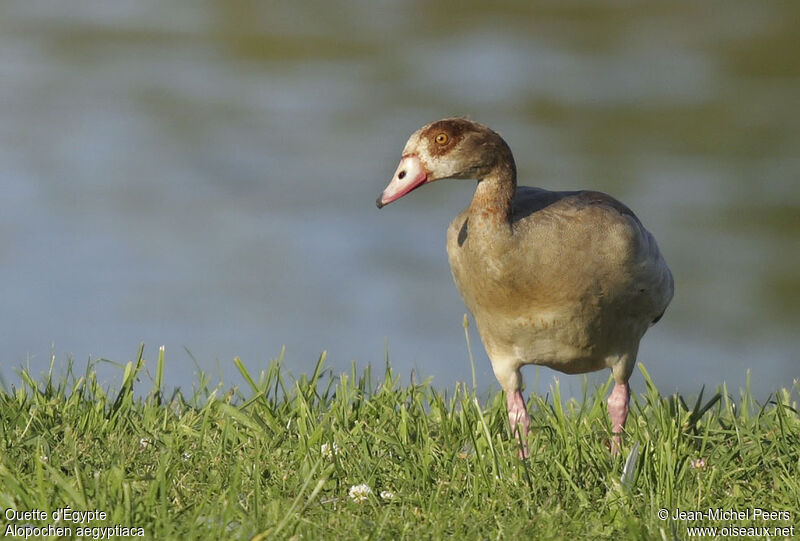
x=441 y=138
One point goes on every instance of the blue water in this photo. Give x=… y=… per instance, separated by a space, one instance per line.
x=203 y=176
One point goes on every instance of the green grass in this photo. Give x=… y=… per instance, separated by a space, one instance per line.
x=244 y=463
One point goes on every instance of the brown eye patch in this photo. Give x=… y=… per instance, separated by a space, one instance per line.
x=444 y=135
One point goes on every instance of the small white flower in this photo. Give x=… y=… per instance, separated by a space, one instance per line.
x=44 y=458
x=187 y=456
x=387 y=495
x=143 y=443
x=359 y=493
x=327 y=450
x=698 y=464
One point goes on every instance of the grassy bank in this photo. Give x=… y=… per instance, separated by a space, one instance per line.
x=286 y=458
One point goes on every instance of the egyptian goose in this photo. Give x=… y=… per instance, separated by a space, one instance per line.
x=570 y=280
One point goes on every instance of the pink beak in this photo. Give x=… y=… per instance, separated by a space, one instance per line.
x=409 y=175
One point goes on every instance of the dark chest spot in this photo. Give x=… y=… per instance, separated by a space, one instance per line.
x=463 y=232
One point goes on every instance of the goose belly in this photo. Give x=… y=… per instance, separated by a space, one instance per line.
x=573 y=339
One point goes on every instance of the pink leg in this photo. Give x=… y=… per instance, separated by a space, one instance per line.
x=618 y=413
x=520 y=422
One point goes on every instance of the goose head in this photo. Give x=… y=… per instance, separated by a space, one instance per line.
x=447 y=148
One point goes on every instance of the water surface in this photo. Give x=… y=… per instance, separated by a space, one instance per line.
x=203 y=174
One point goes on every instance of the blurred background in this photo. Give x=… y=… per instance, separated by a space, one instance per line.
x=202 y=174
